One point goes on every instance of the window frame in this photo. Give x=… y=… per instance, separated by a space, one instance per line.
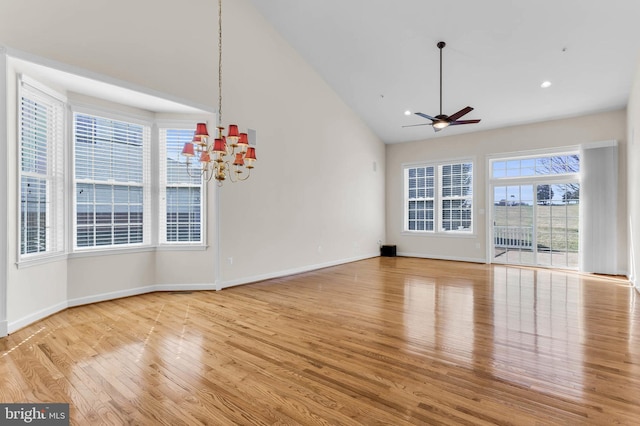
x=146 y=183
x=536 y=158
x=163 y=184
x=55 y=169
x=438 y=198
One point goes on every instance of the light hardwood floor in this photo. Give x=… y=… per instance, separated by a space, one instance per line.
x=381 y=341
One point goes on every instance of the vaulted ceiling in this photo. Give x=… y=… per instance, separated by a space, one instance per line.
x=380 y=56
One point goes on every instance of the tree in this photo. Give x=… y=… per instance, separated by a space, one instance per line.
x=545 y=194
x=571 y=196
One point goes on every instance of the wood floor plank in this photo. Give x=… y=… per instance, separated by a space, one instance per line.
x=380 y=341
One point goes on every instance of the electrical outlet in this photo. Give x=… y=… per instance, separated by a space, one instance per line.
x=230 y=260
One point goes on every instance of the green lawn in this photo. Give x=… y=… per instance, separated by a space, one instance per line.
x=557 y=225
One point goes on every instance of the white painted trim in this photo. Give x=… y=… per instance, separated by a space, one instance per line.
x=103 y=297
x=439 y=257
x=443 y=234
x=43 y=313
x=559 y=150
x=600 y=144
x=3 y=191
x=36 y=316
x=294 y=271
x=59 y=66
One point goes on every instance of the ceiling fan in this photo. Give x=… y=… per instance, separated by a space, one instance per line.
x=441 y=120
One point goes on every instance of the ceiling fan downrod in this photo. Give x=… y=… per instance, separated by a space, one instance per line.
x=441 y=45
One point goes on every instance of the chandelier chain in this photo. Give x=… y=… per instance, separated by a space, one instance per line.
x=219 y=157
x=219 y=62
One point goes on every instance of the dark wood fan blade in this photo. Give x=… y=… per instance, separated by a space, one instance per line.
x=425 y=116
x=460 y=113
x=453 y=123
x=414 y=125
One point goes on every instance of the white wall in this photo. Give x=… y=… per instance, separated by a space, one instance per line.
x=314 y=197
x=313 y=200
x=633 y=165
x=557 y=133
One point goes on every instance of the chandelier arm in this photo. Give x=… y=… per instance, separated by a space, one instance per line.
x=246 y=177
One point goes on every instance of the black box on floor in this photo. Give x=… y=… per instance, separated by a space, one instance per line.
x=388 y=251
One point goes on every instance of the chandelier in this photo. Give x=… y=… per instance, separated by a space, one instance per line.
x=213 y=159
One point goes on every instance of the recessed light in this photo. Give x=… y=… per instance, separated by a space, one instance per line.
x=407 y=112
x=545 y=84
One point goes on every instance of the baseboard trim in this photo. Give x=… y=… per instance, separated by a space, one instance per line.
x=293 y=271
x=439 y=257
x=138 y=291
x=36 y=316
x=11 y=327
x=634 y=283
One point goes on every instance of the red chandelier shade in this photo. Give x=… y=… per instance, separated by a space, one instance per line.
x=239 y=161
x=188 y=150
x=250 y=157
x=220 y=146
x=233 y=130
x=201 y=130
x=243 y=139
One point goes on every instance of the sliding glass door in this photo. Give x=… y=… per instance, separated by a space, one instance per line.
x=536 y=224
x=513 y=224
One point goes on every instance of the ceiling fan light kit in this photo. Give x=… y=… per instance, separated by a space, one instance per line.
x=442 y=121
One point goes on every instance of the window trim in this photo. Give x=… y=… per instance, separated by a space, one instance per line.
x=55 y=179
x=148 y=175
x=438 y=198
x=162 y=184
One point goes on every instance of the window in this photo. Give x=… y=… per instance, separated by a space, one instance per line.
x=457 y=196
x=421 y=198
x=181 y=201
x=535 y=166
x=41 y=170
x=111 y=182
x=439 y=197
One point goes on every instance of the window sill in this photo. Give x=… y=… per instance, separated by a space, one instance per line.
x=445 y=234
x=182 y=247
x=51 y=258
x=40 y=260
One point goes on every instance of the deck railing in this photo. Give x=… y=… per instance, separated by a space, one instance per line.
x=513 y=236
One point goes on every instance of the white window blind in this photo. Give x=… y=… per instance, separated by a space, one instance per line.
x=112 y=182
x=181 y=195
x=439 y=197
x=421 y=196
x=457 y=196
x=41 y=171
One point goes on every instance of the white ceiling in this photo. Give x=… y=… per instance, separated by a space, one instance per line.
x=380 y=56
